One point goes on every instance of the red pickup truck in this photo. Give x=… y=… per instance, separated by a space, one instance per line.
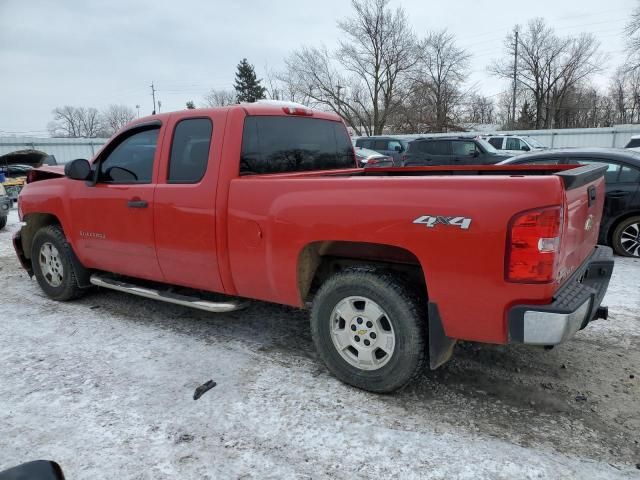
x=207 y=208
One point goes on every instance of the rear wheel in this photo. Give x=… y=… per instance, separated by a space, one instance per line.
x=369 y=329
x=626 y=238
x=51 y=261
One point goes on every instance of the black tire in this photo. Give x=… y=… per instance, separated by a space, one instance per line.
x=405 y=312
x=3 y=222
x=68 y=288
x=617 y=240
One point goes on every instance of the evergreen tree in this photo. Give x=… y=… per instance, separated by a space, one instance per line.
x=191 y=105
x=247 y=86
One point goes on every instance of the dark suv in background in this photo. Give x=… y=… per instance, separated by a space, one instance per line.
x=451 y=151
x=390 y=146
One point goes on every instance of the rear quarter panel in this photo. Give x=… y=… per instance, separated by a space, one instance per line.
x=271 y=219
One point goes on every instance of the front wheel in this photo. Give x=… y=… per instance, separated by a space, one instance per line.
x=626 y=238
x=369 y=329
x=51 y=259
x=3 y=222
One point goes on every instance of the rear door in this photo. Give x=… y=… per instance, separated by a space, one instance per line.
x=185 y=210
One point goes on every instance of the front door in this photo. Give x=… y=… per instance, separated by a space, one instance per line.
x=112 y=221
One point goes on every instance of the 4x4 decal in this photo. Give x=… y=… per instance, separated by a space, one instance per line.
x=431 y=221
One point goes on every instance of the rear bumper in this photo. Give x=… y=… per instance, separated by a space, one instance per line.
x=574 y=305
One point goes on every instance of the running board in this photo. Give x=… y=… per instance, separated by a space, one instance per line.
x=165 y=296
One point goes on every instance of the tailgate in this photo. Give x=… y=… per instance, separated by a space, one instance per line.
x=584 y=196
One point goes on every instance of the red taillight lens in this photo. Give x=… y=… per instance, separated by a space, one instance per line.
x=532 y=246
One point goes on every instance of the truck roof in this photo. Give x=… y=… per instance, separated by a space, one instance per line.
x=257 y=108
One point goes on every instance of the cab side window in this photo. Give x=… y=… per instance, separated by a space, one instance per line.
x=131 y=161
x=463 y=148
x=496 y=142
x=513 y=144
x=190 y=150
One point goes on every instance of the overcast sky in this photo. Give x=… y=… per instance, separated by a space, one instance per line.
x=91 y=53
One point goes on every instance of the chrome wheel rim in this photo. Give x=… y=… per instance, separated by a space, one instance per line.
x=51 y=264
x=362 y=333
x=630 y=239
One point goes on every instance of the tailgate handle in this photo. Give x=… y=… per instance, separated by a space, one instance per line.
x=591 y=191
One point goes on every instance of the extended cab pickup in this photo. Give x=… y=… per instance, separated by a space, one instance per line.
x=210 y=207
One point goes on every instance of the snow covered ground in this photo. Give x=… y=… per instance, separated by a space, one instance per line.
x=104 y=386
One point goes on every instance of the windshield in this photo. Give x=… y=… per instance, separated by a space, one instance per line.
x=534 y=143
x=486 y=145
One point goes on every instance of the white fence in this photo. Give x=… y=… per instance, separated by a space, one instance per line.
x=617 y=136
x=64 y=149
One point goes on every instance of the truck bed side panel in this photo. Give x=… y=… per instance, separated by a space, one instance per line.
x=271 y=220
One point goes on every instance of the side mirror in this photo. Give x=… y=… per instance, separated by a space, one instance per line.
x=397 y=148
x=525 y=148
x=37 y=470
x=476 y=153
x=78 y=169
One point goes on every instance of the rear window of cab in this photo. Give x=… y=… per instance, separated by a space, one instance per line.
x=278 y=144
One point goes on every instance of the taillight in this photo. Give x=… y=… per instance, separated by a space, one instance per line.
x=305 y=112
x=532 y=246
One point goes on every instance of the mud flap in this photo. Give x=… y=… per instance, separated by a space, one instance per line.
x=440 y=346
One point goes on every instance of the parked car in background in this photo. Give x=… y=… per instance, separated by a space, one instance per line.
x=514 y=144
x=15 y=178
x=5 y=206
x=371 y=158
x=634 y=143
x=390 y=146
x=451 y=151
x=620 y=225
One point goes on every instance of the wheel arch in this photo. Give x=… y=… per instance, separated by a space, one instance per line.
x=319 y=260
x=33 y=223
x=617 y=221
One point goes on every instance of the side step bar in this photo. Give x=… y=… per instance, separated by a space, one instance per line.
x=165 y=296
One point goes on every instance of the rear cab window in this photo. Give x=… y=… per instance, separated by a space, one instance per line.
x=275 y=144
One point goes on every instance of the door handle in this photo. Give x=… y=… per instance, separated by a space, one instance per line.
x=617 y=194
x=137 y=203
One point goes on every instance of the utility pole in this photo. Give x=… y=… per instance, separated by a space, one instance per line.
x=138 y=108
x=153 y=94
x=515 y=81
x=159 y=105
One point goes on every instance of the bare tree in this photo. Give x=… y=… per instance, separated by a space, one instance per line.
x=220 y=98
x=632 y=32
x=480 y=109
x=548 y=66
x=75 y=122
x=442 y=71
x=114 y=117
x=362 y=79
x=66 y=122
